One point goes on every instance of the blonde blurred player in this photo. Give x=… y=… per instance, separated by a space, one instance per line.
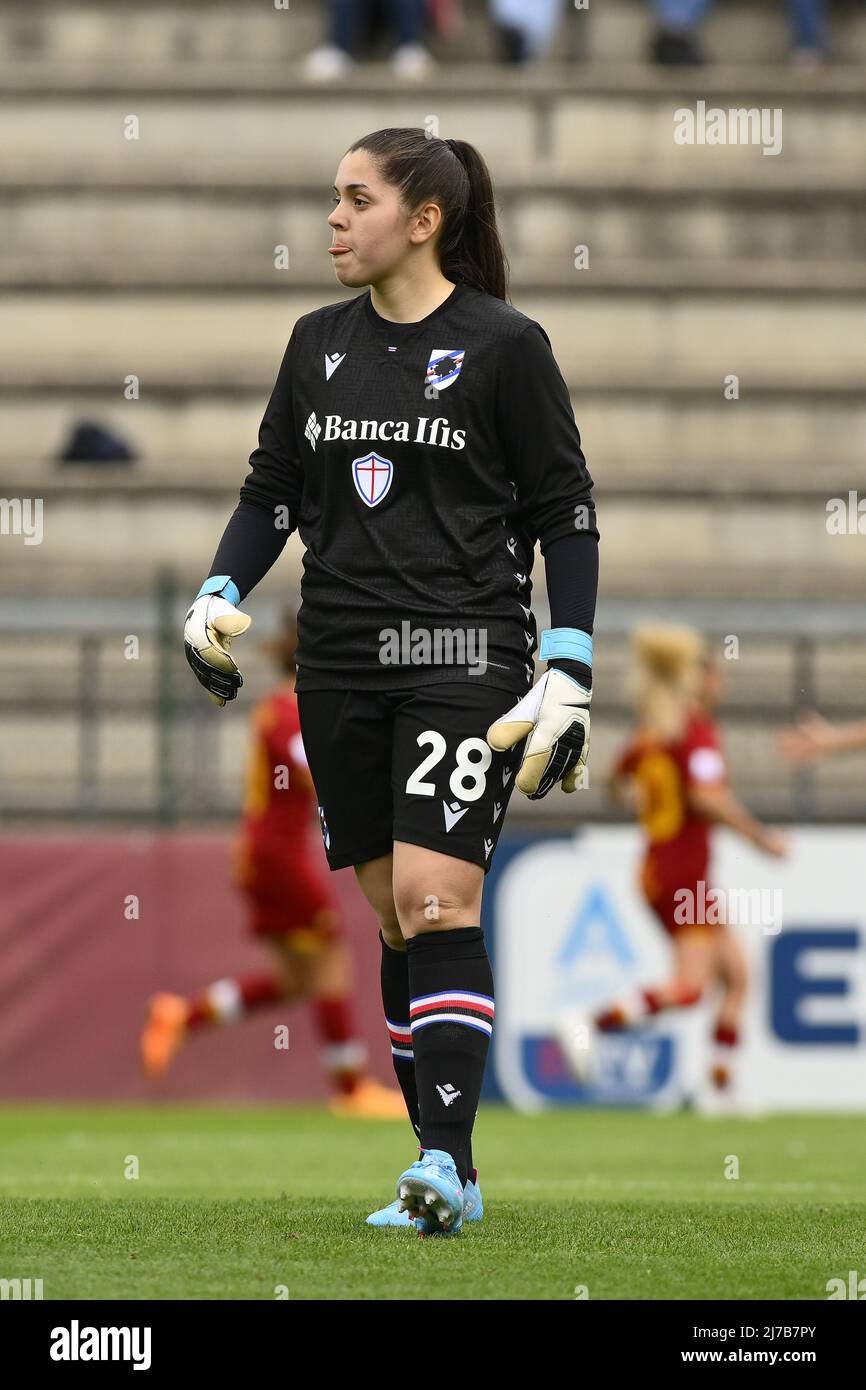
x=673 y=775
x=280 y=868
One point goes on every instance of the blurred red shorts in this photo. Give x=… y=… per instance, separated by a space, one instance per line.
x=665 y=897
x=288 y=894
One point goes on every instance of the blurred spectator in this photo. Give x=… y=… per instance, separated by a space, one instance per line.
x=447 y=18
x=90 y=442
x=676 y=40
x=353 y=24
x=525 y=32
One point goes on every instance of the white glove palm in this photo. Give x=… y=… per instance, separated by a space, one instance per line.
x=555 y=715
x=210 y=625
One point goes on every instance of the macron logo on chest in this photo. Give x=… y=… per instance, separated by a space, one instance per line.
x=332 y=362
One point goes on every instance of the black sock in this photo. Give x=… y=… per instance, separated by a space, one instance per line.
x=395 y=1001
x=450 y=981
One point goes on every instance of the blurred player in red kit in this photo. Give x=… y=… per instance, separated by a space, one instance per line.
x=281 y=870
x=672 y=774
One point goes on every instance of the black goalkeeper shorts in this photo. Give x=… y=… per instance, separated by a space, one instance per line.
x=409 y=765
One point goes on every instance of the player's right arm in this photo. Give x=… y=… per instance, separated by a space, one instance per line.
x=253 y=540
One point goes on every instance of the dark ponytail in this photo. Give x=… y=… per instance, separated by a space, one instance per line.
x=453 y=174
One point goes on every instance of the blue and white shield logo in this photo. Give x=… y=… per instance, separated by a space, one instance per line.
x=372 y=475
x=444 y=367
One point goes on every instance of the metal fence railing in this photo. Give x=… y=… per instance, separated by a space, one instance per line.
x=103 y=722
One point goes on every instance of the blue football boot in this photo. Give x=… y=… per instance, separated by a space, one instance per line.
x=390 y=1216
x=473 y=1208
x=430 y=1191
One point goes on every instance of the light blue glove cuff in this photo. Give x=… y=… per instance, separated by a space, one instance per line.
x=567 y=642
x=224 y=585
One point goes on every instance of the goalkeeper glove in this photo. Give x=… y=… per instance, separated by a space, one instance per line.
x=555 y=716
x=210 y=625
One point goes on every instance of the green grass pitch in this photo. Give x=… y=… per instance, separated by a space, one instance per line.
x=236 y=1203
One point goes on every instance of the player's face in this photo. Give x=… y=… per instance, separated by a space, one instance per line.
x=369 y=219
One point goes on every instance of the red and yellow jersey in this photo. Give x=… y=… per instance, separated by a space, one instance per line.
x=279 y=861
x=279 y=797
x=664 y=773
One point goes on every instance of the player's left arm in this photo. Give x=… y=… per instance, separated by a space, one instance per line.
x=710 y=796
x=554 y=492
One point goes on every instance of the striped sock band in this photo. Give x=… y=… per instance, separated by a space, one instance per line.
x=453 y=1006
x=401 y=1040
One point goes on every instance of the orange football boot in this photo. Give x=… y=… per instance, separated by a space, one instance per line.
x=370 y=1101
x=163 y=1033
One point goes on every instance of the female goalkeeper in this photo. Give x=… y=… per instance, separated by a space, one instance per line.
x=420 y=438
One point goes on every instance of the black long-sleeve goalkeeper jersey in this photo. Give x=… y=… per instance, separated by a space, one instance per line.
x=420 y=463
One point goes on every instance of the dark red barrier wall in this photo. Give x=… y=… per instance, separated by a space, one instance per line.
x=75 y=974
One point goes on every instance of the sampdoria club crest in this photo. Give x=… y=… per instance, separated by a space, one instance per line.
x=444 y=367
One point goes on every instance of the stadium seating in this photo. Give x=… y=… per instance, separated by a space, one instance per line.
x=154 y=258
